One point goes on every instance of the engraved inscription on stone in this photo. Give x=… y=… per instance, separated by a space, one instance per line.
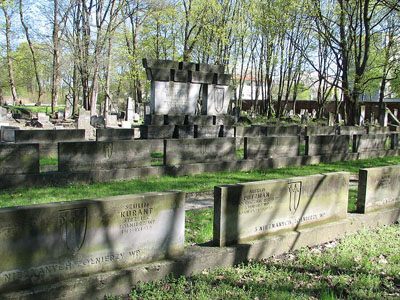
x=219 y=95
x=136 y=217
x=294 y=199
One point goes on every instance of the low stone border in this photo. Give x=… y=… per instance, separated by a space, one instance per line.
x=200 y=257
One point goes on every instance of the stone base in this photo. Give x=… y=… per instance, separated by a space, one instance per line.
x=198 y=258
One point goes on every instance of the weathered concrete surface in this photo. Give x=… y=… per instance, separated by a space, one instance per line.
x=108 y=135
x=247 y=211
x=320 y=130
x=215 y=100
x=198 y=258
x=207 y=131
x=186 y=151
x=327 y=144
x=157 y=132
x=87 y=156
x=52 y=242
x=53 y=178
x=200 y=120
x=352 y=130
x=19 y=159
x=271 y=146
x=378 y=188
x=370 y=142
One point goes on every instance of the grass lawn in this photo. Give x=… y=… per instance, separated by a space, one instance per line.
x=189 y=183
x=362 y=266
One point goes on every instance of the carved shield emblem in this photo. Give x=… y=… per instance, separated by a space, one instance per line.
x=203 y=147
x=219 y=94
x=73 y=224
x=108 y=150
x=294 y=195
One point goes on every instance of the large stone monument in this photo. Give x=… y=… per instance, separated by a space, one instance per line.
x=175 y=87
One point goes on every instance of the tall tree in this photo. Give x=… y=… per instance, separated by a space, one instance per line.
x=4 y=7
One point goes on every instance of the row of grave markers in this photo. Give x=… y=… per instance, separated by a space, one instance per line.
x=48 y=243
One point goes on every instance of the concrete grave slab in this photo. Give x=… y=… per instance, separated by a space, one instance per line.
x=19 y=159
x=87 y=156
x=271 y=146
x=204 y=131
x=248 y=211
x=370 y=142
x=157 y=132
x=200 y=120
x=111 y=134
x=378 y=189
x=51 y=242
x=327 y=144
x=320 y=130
x=187 y=151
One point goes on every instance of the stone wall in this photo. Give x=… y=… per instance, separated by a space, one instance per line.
x=370 y=142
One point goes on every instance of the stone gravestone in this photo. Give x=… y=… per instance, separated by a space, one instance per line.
x=378 y=189
x=362 y=116
x=84 y=123
x=48 y=243
x=216 y=97
x=248 y=211
x=331 y=119
x=314 y=114
x=130 y=109
x=112 y=120
x=68 y=109
x=44 y=119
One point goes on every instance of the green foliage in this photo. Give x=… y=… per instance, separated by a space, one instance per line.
x=198 y=226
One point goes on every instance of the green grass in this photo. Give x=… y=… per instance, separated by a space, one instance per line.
x=363 y=266
x=157 y=155
x=38 y=109
x=198 y=226
x=189 y=183
x=48 y=161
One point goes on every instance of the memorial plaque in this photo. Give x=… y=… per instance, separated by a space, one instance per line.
x=50 y=242
x=174 y=98
x=215 y=99
x=87 y=156
x=378 y=188
x=247 y=211
x=187 y=151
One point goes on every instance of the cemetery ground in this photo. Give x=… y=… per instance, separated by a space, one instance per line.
x=362 y=266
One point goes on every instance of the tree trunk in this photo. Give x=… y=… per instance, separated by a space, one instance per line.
x=28 y=38
x=9 y=61
x=107 y=96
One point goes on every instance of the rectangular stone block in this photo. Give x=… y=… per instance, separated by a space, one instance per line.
x=225 y=120
x=352 y=130
x=378 y=188
x=184 y=131
x=282 y=130
x=8 y=133
x=227 y=131
x=180 y=75
x=210 y=131
x=19 y=159
x=327 y=144
x=160 y=63
x=87 y=156
x=215 y=99
x=248 y=211
x=49 y=136
x=202 y=78
x=51 y=242
x=271 y=146
x=224 y=79
x=189 y=66
x=320 y=130
x=394 y=141
x=157 y=132
x=187 y=151
x=175 y=120
x=377 y=130
x=173 y=98
x=370 y=142
x=254 y=131
x=208 y=68
x=200 y=120
x=158 y=120
x=108 y=135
